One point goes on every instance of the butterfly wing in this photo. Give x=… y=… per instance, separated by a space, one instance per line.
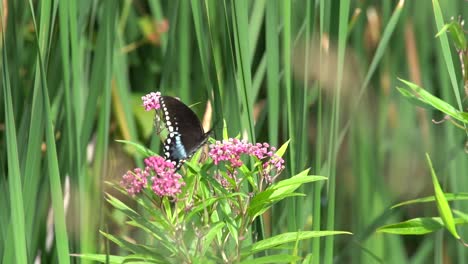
x=186 y=134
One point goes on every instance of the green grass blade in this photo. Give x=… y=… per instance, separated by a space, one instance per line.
x=292 y=224
x=240 y=21
x=381 y=48
x=17 y=221
x=446 y=53
x=255 y=25
x=383 y=44
x=70 y=128
x=55 y=185
x=32 y=168
x=258 y=77
x=334 y=144
x=107 y=47
x=272 y=56
x=303 y=130
x=60 y=229
x=198 y=20
x=125 y=115
x=184 y=34
x=324 y=18
x=218 y=64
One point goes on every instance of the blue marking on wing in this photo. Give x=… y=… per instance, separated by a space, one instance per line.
x=178 y=149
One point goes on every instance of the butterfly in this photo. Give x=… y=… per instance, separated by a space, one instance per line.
x=185 y=132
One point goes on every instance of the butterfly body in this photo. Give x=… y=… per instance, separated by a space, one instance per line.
x=185 y=133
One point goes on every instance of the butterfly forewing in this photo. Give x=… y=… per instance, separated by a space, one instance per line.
x=185 y=133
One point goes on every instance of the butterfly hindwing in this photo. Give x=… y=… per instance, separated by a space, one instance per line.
x=185 y=133
x=174 y=150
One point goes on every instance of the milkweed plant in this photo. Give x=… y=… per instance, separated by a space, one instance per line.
x=207 y=211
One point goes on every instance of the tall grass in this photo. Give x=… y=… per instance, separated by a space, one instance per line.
x=319 y=73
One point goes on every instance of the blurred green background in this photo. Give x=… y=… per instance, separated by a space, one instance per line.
x=320 y=73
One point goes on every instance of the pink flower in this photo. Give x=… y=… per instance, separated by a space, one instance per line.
x=231 y=150
x=166 y=182
x=151 y=101
x=134 y=181
x=167 y=185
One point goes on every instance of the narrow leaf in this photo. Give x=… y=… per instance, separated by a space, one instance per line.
x=14 y=173
x=141 y=149
x=286 y=238
x=448 y=197
x=442 y=204
x=101 y=258
x=280 y=152
x=280 y=258
x=425 y=97
x=208 y=238
x=418 y=226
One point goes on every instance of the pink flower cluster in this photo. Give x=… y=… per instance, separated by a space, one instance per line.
x=165 y=181
x=135 y=181
x=151 y=101
x=231 y=150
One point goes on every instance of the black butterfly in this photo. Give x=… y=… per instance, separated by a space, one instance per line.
x=185 y=133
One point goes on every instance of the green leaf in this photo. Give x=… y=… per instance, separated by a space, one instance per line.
x=143 y=259
x=425 y=97
x=410 y=96
x=457 y=33
x=286 y=238
x=231 y=224
x=101 y=258
x=156 y=230
x=442 y=204
x=418 y=226
x=132 y=247
x=121 y=206
x=208 y=238
x=280 y=152
x=118 y=259
x=280 y=258
x=141 y=149
x=285 y=188
x=208 y=202
x=308 y=259
x=448 y=197
x=462 y=215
